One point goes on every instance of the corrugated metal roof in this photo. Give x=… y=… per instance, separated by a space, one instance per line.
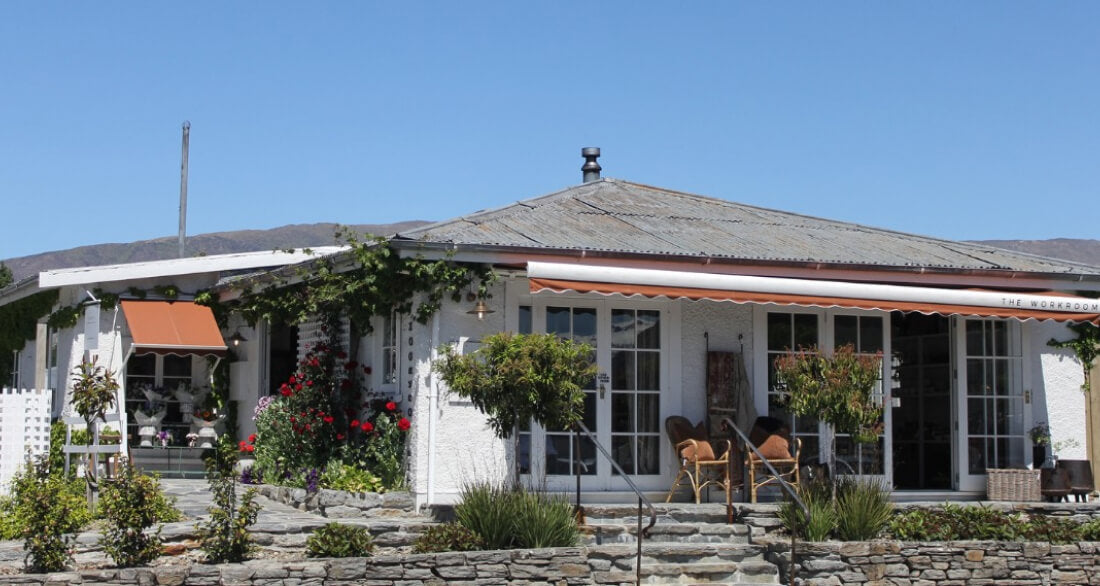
x=620 y=216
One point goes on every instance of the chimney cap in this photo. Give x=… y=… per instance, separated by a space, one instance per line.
x=591 y=169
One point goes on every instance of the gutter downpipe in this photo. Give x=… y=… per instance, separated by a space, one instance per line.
x=433 y=389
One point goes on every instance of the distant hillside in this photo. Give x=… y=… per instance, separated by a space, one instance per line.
x=1075 y=249
x=293 y=236
x=304 y=235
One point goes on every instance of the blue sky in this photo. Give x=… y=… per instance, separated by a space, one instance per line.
x=965 y=120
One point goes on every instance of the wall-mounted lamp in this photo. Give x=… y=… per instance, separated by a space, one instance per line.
x=237 y=338
x=480 y=309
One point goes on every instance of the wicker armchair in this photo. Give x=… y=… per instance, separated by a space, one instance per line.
x=772 y=439
x=700 y=467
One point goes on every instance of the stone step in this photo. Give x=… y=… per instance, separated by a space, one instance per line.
x=760 y=518
x=666 y=531
x=666 y=563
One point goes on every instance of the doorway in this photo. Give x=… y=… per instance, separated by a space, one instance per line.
x=921 y=405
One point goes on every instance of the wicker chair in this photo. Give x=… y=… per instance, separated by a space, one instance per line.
x=772 y=438
x=700 y=467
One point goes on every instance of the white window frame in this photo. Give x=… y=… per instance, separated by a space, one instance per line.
x=392 y=324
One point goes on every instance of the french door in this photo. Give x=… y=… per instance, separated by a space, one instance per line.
x=990 y=398
x=624 y=404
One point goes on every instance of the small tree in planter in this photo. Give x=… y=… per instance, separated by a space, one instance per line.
x=514 y=378
x=94 y=393
x=837 y=389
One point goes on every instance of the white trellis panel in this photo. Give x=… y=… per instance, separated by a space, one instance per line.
x=309 y=333
x=24 y=429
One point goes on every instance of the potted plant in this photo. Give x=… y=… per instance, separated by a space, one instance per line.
x=1040 y=439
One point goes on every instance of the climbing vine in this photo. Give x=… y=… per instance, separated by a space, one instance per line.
x=1086 y=346
x=17 y=326
x=380 y=281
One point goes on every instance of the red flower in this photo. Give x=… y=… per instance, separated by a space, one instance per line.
x=242 y=445
x=309 y=383
x=252 y=439
x=328 y=419
x=250 y=449
x=315 y=363
x=307 y=427
x=366 y=370
x=285 y=391
x=341 y=355
x=351 y=365
x=292 y=379
x=340 y=436
x=354 y=423
x=298 y=387
x=391 y=406
x=403 y=424
x=368 y=427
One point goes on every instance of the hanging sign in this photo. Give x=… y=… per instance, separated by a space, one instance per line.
x=91 y=326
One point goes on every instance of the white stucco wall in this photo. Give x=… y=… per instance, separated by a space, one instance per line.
x=465 y=447
x=1056 y=379
x=722 y=323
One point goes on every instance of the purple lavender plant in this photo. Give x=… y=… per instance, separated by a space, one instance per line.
x=311 y=480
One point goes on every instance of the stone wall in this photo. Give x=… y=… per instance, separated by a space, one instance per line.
x=338 y=504
x=944 y=563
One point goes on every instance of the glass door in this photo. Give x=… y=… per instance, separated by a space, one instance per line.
x=992 y=418
x=622 y=405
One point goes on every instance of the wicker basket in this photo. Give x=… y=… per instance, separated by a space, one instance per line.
x=1015 y=485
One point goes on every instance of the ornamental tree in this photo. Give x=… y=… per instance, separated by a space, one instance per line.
x=94 y=393
x=837 y=389
x=515 y=378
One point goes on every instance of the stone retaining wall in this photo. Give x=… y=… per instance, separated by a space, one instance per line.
x=942 y=563
x=338 y=504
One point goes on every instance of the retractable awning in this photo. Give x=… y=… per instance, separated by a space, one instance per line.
x=173 y=327
x=559 y=277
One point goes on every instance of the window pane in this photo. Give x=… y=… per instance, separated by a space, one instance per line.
x=974 y=338
x=622 y=447
x=524 y=453
x=622 y=371
x=649 y=371
x=590 y=412
x=144 y=365
x=846 y=331
x=649 y=455
x=584 y=326
x=870 y=334
x=525 y=319
x=559 y=321
x=177 y=366
x=622 y=328
x=649 y=329
x=779 y=332
x=649 y=412
x=622 y=412
x=805 y=330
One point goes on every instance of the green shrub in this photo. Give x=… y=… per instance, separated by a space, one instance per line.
x=955 y=522
x=544 y=521
x=340 y=476
x=817 y=496
x=516 y=518
x=339 y=541
x=447 y=537
x=224 y=537
x=1090 y=531
x=863 y=510
x=13 y=519
x=49 y=515
x=131 y=504
x=1051 y=530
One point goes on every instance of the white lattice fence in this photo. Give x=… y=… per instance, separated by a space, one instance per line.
x=24 y=429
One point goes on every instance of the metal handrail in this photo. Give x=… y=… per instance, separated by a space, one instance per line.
x=642 y=532
x=787 y=486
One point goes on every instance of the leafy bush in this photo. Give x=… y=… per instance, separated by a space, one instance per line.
x=318 y=418
x=339 y=541
x=955 y=522
x=13 y=519
x=224 y=537
x=817 y=496
x=863 y=510
x=1090 y=531
x=48 y=512
x=132 y=504
x=340 y=476
x=507 y=518
x=447 y=537
x=1051 y=530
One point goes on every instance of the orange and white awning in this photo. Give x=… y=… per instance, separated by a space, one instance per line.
x=173 y=327
x=560 y=277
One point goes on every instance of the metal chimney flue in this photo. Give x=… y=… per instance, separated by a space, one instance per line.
x=591 y=168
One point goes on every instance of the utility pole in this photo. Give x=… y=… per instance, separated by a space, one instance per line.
x=183 y=185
